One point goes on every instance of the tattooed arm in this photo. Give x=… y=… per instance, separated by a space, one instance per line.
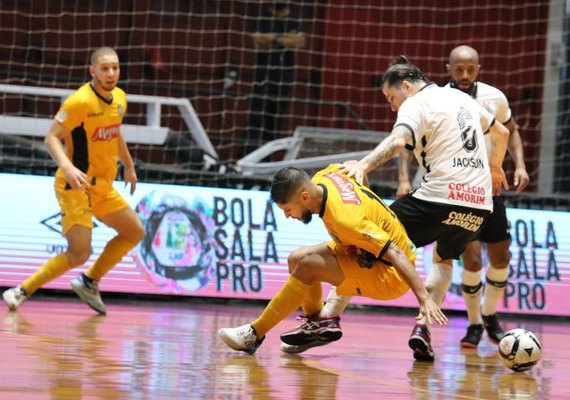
x=387 y=149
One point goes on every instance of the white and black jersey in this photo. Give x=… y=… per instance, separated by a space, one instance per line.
x=447 y=139
x=492 y=99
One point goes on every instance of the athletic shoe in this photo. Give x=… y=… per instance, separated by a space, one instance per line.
x=420 y=343
x=313 y=330
x=292 y=349
x=473 y=336
x=493 y=328
x=89 y=293
x=14 y=297
x=242 y=338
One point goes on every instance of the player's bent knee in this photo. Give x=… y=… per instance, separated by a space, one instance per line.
x=78 y=257
x=500 y=258
x=307 y=268
x=294 y=257
x=472 y=262
x=138 y=233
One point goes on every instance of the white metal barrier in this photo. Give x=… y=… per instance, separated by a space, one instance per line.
x=151 y=133
x=252 y=163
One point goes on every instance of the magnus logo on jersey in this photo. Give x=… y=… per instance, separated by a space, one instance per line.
x=345 y=188
x=106 y=133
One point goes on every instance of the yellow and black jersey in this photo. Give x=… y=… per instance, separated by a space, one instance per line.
x=359 y=222
x=94 y=123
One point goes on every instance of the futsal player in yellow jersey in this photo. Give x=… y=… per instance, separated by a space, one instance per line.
x=88 y=123
x=369 y=254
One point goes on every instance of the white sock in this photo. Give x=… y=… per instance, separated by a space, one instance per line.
x=494 y=293
x=472 y=300
x=437 y=284
x=334 y=304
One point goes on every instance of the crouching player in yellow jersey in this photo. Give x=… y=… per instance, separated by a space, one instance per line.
x=88 y=122
x=369 y=254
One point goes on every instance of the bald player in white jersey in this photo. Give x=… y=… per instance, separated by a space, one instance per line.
x=464 y=69
x=444 y=128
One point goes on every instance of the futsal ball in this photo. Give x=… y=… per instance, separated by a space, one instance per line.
x=519 y=350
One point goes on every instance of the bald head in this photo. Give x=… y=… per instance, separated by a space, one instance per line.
x=464 y=68
x=462 y=54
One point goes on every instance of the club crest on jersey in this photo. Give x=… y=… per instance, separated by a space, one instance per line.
x=105 y=133
x=61 y=116
x=120 y=110
x=345 y=188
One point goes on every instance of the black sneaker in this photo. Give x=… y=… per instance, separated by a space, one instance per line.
x=313 y=330
x=493 y=328
x=420 y=343
x=473 y=336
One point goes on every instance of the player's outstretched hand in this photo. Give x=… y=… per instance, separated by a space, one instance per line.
x=432 y=312
x=354 y=169
x=403 y=189
x=131 y=177
x=499 y=180
x=521 y=179
x=76 y=178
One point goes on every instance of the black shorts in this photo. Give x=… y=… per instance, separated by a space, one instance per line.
x=452 y=227
x=496 y=226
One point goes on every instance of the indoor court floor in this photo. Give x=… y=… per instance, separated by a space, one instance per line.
x=54 y=347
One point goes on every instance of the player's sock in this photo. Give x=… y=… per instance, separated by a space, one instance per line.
x=52 y=269
x=496 y=281
x=334 y=305
x=114 y=251
x=313 y=301
x=437 y=283
x=472 y=287
x=287 y=300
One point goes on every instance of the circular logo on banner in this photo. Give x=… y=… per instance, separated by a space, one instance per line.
x=177 y=251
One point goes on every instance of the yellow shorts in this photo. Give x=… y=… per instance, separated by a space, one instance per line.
x=380 y=282
x=78 y=207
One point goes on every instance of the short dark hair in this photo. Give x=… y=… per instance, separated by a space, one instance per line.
x=402 y=69
x=287 y=182
x=101 y=51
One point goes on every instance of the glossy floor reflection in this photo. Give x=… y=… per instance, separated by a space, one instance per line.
x=56 y=348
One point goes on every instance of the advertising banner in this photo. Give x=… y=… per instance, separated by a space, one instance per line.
x=228 y=243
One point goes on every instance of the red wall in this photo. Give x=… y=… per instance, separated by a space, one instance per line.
x=510 y=41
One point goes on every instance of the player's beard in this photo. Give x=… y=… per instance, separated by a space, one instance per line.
x=307 y=216
x=104 y=85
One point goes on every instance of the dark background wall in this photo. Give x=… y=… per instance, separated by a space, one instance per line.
x=184 y=49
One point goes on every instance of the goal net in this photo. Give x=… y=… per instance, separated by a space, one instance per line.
x=327 y=76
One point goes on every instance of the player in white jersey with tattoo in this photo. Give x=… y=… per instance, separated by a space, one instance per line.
x=464 y=69
x=444 y=128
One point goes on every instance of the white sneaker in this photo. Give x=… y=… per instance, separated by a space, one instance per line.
x=89 y=293
x=242 y=338
x=14 y=297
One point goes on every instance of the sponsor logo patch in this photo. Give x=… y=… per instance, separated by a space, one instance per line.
x=345 y=188
x=106 y=133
